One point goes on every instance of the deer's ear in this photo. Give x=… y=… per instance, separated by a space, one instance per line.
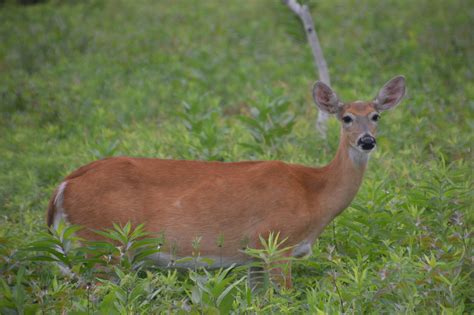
x=391 y=94
x=325 y=98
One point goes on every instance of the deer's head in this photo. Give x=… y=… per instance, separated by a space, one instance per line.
x=359 y=119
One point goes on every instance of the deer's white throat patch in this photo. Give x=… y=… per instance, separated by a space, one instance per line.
x=358 y=157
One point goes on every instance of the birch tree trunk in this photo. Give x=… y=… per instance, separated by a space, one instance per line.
x=302 y=11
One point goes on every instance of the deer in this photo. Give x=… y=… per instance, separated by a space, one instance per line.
x=237 y=201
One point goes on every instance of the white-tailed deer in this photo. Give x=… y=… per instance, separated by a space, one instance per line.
x=236 y=202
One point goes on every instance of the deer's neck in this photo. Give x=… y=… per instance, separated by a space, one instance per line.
x=336 y=184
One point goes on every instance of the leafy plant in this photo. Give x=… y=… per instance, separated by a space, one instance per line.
x=271 y=256
x=58 y=246
x=213 y=292
x=129 y=247
x=205 y=126
x=268 y=123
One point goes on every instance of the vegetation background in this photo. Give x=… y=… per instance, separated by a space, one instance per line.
x=231 y=81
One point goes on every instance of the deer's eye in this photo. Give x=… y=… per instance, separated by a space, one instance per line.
x=375 y=117
x=347 y=119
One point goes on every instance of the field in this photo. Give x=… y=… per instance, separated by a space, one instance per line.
x=231 y=81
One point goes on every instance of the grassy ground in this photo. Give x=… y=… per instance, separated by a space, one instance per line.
x=84 y=80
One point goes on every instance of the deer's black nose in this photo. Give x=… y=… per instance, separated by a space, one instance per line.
x=366 y=142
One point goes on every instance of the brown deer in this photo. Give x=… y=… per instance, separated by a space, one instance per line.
x=236 y=201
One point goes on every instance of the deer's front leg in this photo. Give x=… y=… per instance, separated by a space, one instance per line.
x=281 y=273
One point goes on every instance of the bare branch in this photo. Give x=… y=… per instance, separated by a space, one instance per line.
x=294 y=6
x=302 y=11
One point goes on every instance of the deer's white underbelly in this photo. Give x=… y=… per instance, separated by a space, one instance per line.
x=167 y=260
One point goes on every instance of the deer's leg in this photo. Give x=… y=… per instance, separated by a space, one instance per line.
x=256 y=277
x=281 y=274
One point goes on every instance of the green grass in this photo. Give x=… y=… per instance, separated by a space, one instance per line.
x=82 y=80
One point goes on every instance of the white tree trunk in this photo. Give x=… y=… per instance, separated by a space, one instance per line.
x=302 y=11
